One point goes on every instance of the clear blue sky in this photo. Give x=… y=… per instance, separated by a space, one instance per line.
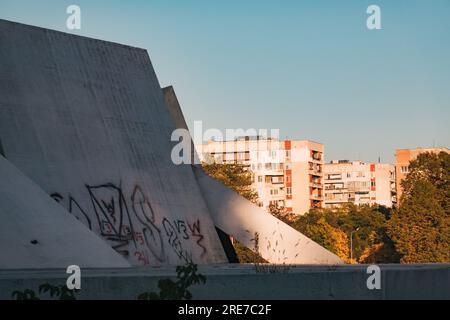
x=310 y=68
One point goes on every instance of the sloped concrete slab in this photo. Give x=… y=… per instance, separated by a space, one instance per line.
x=86 y=120
x=256 y=229
x=37 y=232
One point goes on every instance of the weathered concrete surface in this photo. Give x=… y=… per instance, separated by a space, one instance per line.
x=243 y=282
x=86 y=120
x=174 y=108
x=277 y=242
x=37 y=232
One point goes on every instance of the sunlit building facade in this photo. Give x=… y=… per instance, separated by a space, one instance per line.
x=359 y=183
x=286 y=173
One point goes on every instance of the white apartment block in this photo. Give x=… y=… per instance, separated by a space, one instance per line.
x=285 y=173
x=359 y=183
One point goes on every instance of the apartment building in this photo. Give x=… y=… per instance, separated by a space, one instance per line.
x=359 y=183
x=285 y=173
x=402 y=159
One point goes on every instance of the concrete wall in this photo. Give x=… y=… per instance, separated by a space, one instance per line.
x=86 y=120
x=385 y=184
x=244 y=282
x=174 y=108
x=36 y=232
x=256 y=229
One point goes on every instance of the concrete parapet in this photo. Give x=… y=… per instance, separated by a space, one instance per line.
x=425 y=281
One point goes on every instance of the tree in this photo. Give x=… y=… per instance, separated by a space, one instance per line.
x=315 y=226
x=238 y=178
x=245 y=255
x=235 y=176
x=420 y=228
x=369 y=227
x=282 y=214
x=332 y=228
x=187 y=276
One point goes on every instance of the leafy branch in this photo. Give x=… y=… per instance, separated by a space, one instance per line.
x=176 y=290
x=60 y=292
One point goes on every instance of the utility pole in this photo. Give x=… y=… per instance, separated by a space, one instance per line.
x=351 y=243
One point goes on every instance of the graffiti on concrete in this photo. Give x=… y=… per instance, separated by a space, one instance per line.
x=130 y=224
x=196 y=232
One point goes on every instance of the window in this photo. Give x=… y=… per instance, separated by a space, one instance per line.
x=404 y=169
x=277 y=179
x=260 y=178
x=229 y=156
x=289 y=191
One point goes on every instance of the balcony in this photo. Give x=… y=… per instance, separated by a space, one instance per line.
x=316 y=185
x=316 y=156
x=335 y=201
x=277 y=180
x=316 y=197
x=334 y=187
x=315 y=169
x=359 y=189
x=334 y=177
x=270 y=170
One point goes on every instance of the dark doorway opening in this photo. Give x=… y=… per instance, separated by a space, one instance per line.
x=227 y=246
x=2 y=153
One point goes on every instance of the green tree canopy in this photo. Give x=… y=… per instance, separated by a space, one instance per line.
x=420 y=228
x=235 y=176
x=332 y=228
